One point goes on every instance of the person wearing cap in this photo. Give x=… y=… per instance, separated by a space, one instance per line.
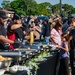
x=3 y=33
x=14 y=30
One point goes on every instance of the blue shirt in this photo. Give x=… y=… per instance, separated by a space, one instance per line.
x=65 y=27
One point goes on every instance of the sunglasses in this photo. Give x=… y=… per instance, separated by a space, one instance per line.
x=32 y=22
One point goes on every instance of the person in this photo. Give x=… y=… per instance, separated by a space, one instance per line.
x=47 y=31
x=71 y=43
x=41 y=25
x=64 y=56
x=65 y=26
x=55 y=35
x=15 y=32
x=3 y=33
x=36 y=30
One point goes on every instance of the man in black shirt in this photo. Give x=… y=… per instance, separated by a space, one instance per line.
x=72 y=46
x=3 y=38
x=47 y=31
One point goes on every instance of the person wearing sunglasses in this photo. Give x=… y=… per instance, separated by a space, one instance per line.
x=3 y=34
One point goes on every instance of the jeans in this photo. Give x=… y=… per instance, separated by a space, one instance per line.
x=47 y=39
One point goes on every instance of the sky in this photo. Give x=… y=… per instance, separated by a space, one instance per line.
x=71 y=2
x=1 y=2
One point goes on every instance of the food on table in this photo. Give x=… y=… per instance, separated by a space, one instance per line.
x=14 y=68
x=28 y=48
x=3 y=58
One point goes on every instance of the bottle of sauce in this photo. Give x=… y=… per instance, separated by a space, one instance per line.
x=31 y=38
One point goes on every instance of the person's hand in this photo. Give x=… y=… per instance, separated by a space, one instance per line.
x=16 y=44
x=35 y=27
x=19 y=25
x=69 y=28
x=19 y=21
x=60 y=47
x=27 y=37
x=32 y=29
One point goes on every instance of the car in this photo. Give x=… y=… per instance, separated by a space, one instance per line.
x=43 y=18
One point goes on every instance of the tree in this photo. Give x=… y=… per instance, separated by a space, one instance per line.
x=6 y=4
x=42 y=9
x=73 y=11
x=18 y=6
x=25 y=7
x=56 y=8
x=67 y=7
x=31 y=7
x=48 y=7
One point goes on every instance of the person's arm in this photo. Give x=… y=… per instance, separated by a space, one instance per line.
x=71 y=35
x=3 y=39
x=51 y=38
x=38 y=29
x=70 y=38
x=15 y=26
x=31 y=29
x=64 y=48
x=27 y=37
x=52 y=35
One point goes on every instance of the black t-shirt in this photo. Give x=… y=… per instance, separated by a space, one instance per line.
x=2 y=32
x=18 y=32
x=72 y=42
x=47 y=30
x=72 y=33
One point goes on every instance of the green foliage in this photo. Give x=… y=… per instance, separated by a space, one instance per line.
x=73 y=11
x=67 y=7
x=31 y=7
x=25 y=7
x=6 y=4
x=42 y=9
x=56 y=8
x=48 y=7
x=18 y=7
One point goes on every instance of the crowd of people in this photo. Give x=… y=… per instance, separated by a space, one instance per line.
x=58 y=30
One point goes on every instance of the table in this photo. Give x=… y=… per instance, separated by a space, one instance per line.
x=47 y=67
x=50 y=66
x=17 y=73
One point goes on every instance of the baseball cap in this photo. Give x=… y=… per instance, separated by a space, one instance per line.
x=16 y=17
x=3 y=15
